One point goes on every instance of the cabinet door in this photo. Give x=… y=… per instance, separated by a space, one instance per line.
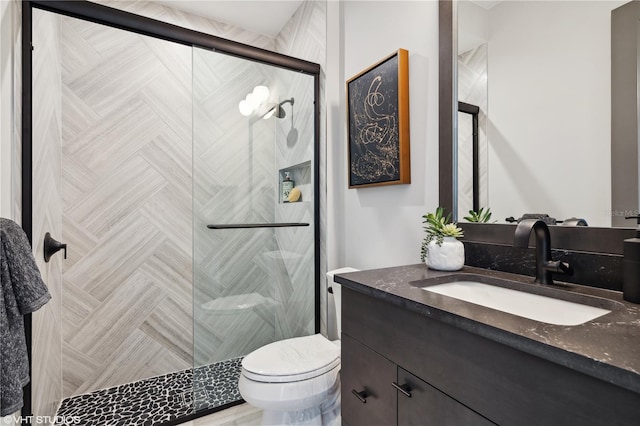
x=370 y=374
x=428 y=406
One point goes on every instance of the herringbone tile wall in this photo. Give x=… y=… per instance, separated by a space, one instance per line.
x=16 y=142
x=47 y=210
x=126 y=186
x=233 y=183
x=248 y=290
x=294 y=151
x=304 y=36
x=242 y=159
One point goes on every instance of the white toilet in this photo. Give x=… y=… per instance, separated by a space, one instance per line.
x=296 y=381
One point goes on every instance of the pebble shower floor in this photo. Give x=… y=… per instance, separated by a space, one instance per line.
x=156 y=400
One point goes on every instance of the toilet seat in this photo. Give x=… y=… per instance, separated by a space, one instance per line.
x=292 y=360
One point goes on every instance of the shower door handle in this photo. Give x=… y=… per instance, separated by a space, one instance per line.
x=52 y=246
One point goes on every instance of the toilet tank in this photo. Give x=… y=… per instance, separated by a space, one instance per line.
x=337 y=294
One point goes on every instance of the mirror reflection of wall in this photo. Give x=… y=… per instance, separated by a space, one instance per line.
x=472 y=90
x=540 y=71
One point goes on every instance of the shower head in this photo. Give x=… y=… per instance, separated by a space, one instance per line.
x=277 y=110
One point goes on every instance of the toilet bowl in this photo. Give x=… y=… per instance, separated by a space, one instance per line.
x=296 y=381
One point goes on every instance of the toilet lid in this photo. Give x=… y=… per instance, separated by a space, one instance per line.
x=292 y=360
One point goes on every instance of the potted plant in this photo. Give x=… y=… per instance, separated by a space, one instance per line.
x=440 y=248
x=481 y=216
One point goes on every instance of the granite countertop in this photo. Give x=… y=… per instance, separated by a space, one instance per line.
x=607 y=347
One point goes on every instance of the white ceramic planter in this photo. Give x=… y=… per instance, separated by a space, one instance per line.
x=447 y=257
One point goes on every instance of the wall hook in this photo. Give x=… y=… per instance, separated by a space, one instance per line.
x=52 y=246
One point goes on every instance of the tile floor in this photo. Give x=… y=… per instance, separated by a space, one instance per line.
x=159 y=399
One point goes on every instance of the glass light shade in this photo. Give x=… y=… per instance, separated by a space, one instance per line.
x=245 y=108
x=261 y=93
x=253 y=100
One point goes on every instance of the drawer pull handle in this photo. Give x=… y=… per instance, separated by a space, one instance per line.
x=362 y=395
x=404 y=389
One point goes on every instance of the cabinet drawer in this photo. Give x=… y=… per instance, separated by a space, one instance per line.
x=429 y=407
x=364 y=370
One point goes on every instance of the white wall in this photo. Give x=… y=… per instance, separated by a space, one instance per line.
x=382 y=226
x=334 y=98
x=559 y=161
x=473 y=25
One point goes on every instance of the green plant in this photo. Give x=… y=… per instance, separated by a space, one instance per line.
x=437 y=227
x=481 y=216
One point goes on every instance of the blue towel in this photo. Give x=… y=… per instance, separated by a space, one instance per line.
x=22 y=291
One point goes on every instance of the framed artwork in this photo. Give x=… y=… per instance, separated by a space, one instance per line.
x=378 y=123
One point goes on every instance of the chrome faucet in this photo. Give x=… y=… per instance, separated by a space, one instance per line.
x=545 y=266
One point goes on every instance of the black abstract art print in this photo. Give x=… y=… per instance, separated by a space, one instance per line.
x=378 y=120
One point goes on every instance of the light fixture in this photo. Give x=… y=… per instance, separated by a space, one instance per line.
x=245 y=108
x=253 y=100
x=261 y=93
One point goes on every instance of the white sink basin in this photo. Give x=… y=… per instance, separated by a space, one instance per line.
x=527 y=305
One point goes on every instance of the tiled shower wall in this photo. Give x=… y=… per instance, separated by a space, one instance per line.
x=13 y=65
x=233 y=183
x=47 y=209
x=123 y=165
x=127 y=305
x=236 y=181
x=304 y=36
x=17 y=122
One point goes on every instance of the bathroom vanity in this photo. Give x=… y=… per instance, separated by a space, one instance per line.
x=412 y=356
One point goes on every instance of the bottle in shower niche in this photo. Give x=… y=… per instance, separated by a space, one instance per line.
x=286 y=186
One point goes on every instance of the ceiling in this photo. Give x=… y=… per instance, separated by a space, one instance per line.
x=265 y=17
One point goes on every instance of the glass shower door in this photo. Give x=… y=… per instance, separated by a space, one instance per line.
x=254 y=248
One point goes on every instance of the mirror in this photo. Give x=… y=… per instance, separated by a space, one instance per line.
x=540 y=74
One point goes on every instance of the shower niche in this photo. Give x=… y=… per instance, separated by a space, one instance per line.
x=301 y=175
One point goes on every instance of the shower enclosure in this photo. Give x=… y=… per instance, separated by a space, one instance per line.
x=183 y=253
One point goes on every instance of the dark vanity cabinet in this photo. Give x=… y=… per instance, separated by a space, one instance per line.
x=378 y=392
x=367 y=395
x=401 y=367
x=426 y=405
